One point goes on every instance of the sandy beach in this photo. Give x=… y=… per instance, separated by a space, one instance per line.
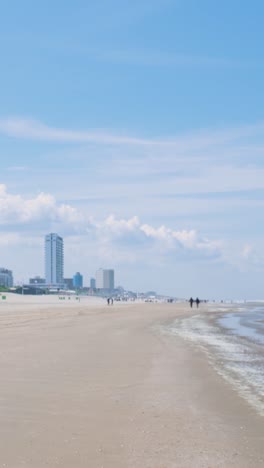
x=84 y=384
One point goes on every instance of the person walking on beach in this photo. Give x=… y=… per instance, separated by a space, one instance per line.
x=191 y=301
x=197 y=300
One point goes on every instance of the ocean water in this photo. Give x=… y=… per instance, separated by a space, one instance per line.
x=233 y=338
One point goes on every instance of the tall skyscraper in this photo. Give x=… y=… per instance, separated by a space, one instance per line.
x=54 y=260
x=105 y=279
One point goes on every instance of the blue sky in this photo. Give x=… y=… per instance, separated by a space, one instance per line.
x=135 y=131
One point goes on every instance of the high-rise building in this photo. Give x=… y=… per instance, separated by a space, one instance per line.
x=77 y=280
x=6 y=278
x=54 y=260
x=105 y=279
x=92 y=283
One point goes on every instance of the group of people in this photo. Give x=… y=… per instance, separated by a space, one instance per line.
x=197 y=301
x=110 y=300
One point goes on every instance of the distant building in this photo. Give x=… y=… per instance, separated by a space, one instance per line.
x=92 y=283
x=6 y=278
x=54 y=260
x=105 y=279
x=151 y=293
x=37 y=280
x=68 y=283
x=78 y=280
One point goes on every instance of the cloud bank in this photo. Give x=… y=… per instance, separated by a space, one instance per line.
x=110 y=235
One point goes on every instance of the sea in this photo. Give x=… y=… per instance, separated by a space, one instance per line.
x=232 y=335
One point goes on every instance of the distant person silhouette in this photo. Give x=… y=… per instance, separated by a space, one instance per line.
x=191 y=301
x=197 y=302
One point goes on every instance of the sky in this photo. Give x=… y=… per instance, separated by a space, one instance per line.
x=135 y=130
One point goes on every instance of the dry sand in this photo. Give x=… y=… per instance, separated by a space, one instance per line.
x=87 y=385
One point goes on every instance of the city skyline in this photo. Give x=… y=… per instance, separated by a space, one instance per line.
x=54 y=270
x=135 y=129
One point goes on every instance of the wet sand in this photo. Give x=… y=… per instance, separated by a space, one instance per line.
x=90 y=385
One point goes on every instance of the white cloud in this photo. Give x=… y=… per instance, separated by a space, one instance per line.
x=152 y=58
x=247 y=251
x=14 y=209
x=251 y=257
x=121 y=226
x=34 y=130
x=23 y=128
x=189 y=240
x=111 y=234
x=17 y=168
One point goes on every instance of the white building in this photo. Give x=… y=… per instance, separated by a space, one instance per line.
x=6 y=278
x=54 y=260
x=105 y=279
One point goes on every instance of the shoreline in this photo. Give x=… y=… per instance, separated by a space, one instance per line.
x=237 y=357
x=101 y=386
